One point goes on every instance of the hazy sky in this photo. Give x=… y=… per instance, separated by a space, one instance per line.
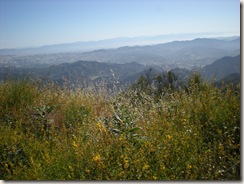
x=39 y=22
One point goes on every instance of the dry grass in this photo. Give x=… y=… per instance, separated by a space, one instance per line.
x=54 y=133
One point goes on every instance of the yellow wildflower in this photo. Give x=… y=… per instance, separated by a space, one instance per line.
x=162 y=167
x=189 y=167
x=70 y=168
x=88 y=171
x=74 y=144
x=97 y=158
x=145 y=167
x=126 y=160
x=101 y=127
x=168 y=136
x=121 y=138
x=104 y=129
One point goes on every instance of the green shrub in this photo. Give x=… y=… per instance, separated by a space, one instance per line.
x=53 y=133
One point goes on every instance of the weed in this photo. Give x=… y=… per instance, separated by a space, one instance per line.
x=58 y=133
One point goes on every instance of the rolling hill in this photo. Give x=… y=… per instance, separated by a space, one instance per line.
x=182 y=54
x=226 y=68
x=221 y=68
x=80 y=71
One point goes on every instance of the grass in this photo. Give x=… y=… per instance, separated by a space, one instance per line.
x=55 y=133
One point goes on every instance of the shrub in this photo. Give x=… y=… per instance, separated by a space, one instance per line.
x=54 y=133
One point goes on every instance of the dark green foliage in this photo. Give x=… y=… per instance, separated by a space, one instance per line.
x=11 y=156
x=156 y=85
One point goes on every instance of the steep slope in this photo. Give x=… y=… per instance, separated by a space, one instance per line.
x=234 y=78
x=222 y=68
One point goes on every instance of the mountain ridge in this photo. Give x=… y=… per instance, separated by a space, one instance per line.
x=83 y=46
x=183 y=54
x=177 y=53
x=222 y=67
x=93 y=71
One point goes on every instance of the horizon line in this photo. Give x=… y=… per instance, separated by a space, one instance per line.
x=134 y=37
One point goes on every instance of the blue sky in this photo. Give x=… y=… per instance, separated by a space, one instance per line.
x=26 y=23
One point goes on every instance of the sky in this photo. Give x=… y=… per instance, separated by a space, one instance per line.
x=25 y=23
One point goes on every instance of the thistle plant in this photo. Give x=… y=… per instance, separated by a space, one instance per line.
x=42 y=123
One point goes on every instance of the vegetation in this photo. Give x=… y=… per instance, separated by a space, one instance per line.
x=144 y=133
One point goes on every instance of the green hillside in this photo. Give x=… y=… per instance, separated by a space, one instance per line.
x=54 y=133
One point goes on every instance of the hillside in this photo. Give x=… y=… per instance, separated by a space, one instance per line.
x=49 y=132
x=222 y=68
x=93 y=72
x=183 y=54
x=80 y=71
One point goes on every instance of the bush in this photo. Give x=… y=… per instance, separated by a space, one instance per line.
x=53 y=133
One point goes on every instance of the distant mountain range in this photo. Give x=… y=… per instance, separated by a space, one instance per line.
x=84 y=46
x=182 y=54
x=218 y=57
x=227 y=68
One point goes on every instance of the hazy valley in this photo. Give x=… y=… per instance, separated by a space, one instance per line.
x=123 y=65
